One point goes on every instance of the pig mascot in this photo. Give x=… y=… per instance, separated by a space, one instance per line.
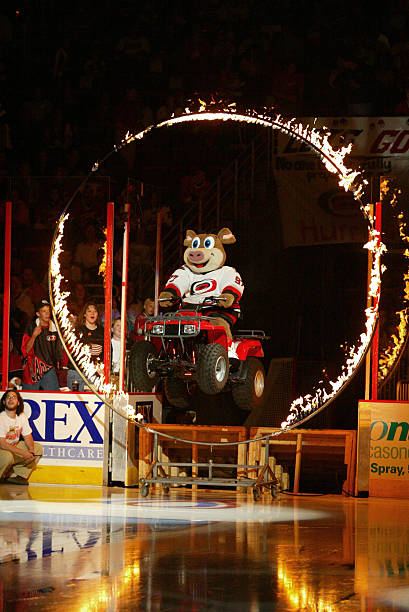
x=204 y=275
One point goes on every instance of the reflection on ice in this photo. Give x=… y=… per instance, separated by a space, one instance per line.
x=134 y=510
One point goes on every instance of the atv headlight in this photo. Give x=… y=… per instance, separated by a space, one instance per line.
x=189 y=329
x=157 y=329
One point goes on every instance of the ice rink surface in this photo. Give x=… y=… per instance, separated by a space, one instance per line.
x=79 y=548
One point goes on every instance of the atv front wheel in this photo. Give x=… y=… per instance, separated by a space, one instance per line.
x=179 y=392
x=142 y=374
x=212 y=368
x=249 y=393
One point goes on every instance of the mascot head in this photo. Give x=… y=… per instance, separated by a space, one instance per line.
x=205 y=252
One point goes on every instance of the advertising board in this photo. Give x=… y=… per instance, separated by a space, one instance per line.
x=383 y=447
x=71 y=427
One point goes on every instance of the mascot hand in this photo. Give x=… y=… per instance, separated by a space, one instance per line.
x=167 y=297
x=227 y=300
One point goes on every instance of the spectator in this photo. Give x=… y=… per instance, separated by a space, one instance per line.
x=70 y=271
x=116 y=346
x=134 y=307
x=79 y=296
x=21 y=457
x=148 y=311
x=86 y=253
x=89 y=332
x=42 y=351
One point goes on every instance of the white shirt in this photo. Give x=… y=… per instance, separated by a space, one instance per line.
x=11 y=429
x=116 y=354
x=196 y=287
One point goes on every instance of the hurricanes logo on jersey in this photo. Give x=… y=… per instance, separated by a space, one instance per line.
x=203 y=286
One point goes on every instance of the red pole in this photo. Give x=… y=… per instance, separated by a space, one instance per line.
x=108 y=290
x=375 y=341
x=124 y=296
x=6 y=306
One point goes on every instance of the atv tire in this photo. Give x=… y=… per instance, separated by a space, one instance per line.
x=212 y=368
x=179 y=392
x=142 y=376
x=249 y=393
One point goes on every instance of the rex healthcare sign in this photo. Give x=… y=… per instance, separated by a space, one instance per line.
x=388 y=449
x=314 y=209
x=70 y=428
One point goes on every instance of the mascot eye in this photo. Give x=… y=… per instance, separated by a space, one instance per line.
x=195 y=243
x=209 y=242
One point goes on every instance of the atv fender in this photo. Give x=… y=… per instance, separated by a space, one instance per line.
x=246 y=348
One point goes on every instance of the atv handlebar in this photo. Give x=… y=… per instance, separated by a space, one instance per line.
x=209 y=301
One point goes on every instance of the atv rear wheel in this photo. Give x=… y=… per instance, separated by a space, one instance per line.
x=212 y=368
x=179 y=392
x=143 y=376
x=249 y=393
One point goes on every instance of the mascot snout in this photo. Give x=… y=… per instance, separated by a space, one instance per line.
x=196 y=256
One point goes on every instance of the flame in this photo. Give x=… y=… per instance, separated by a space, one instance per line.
x=334 y=162
x=391 y=353
x=332 y=159
x=92 y=372
x=103 y=265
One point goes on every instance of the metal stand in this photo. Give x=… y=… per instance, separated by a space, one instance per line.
x=157 y=474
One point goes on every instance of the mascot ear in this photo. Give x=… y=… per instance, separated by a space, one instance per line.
x=190 y=234
x=226 y=236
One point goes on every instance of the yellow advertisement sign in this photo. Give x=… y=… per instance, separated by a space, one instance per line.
x=389 y=449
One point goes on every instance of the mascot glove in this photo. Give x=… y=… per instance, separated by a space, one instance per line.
x=227 y=301
x=168 y=296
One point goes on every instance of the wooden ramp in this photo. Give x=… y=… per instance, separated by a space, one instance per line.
x=310 y=453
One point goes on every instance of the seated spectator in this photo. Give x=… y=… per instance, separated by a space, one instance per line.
x=19 y=457
x=148 y=311
x=42 y=351
x=92 y=333
x=79 y=296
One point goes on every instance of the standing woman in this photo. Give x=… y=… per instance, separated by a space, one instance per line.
x=90 y=332
x=18 y=456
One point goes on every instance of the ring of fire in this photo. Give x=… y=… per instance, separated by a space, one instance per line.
x=303 y=408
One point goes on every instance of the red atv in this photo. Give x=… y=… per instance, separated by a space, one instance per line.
x=186 y=348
